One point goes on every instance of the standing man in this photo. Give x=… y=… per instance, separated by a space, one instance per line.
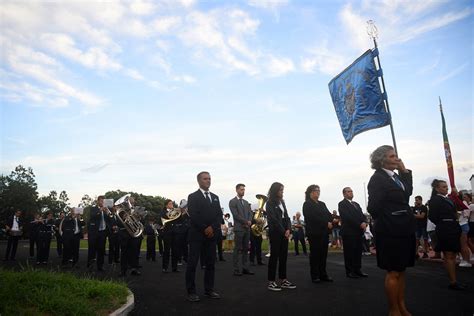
x=14 y=228
x=242 y=215
x=72 y=232
x=298 y=234
x=98 y=225
x=205 y=218
x=420 y=212
x=114 y=243
x=352 y=231
x=59 y=238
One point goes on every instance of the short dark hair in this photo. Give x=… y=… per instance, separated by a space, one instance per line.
x=239 y=185
x=344 y=189
x=100 y=197
x=166 y=203
x=418 y=197
x=200 y=174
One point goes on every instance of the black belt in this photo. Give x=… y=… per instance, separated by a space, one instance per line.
x=398 y=213
x=448 y=220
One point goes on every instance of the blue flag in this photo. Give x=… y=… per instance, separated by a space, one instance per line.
x=357 y=97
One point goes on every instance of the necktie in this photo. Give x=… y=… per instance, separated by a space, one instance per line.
x=241 y=202
x=207 y=197
x=102 y=222
x=398 y=182
x=77 y=226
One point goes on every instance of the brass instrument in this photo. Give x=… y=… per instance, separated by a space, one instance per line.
x=259 y=218
x=128 y=218
x=172 y=215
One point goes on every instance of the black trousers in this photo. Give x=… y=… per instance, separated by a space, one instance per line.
x=128 y=253
x=33 y=245
x=44 y=243
x=151 y=247
x=114 y=248
x=209 y=248
x=255 y=248
x=171 y=249
x=318 y=255
x=160 y=243
x=59 y=244
x=278 y=255
x=182 y=246
x=352 y=253
x=12 y=245
x=97 y=243
x=298 y=237
x=219 y=245
x=68 y=248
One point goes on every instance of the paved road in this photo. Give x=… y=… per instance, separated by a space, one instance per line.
x=164 y=294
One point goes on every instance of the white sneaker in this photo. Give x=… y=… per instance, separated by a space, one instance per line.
x=465 y=264
x=273 y=286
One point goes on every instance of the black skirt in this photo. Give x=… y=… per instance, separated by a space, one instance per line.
x=395 y=253
x=449 y=235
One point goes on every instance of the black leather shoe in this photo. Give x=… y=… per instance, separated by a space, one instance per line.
x=362 y=274
x=327 y=279
x=193 y=297
x=135 y=272
x=457 y=286
x=176 y=270
x=261 y=263
x=237 y=273
x=164 y=270
x=352 y=275
x=317 y=280
x=212 y=294
x=245 y=271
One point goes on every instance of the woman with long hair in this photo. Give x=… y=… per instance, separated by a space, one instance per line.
x=443 y=214
x=389 y=194
x=278 y=232
x=318 y=223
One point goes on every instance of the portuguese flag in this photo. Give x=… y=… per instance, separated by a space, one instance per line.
x=447 y=149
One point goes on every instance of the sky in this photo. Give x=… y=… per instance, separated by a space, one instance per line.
x=142 y=95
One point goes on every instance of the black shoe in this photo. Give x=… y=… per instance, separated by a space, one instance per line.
x=221 y=259
x=237 y=273
x=252 y=264
x=317 y=280
x=123 y=273
x=176 y=270
x=245 y=271
x=327 y=279
x=135 y=272
x=212 y=294
x=100 y=269
x=193 y=297
x=203 y=267
x=164 y=270
x=457 y=286
x=362 y=274
x=261 y=263
x=352 y=275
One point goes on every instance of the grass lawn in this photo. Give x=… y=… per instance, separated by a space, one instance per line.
x=36 y=292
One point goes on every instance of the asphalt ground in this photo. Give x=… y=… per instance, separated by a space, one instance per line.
x=157 y=293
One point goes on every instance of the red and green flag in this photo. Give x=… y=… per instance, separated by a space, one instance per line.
x=447 y=149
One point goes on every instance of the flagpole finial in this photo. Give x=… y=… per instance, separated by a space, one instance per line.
x=372 y=30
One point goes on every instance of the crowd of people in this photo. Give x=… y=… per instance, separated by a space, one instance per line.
x=197 y=232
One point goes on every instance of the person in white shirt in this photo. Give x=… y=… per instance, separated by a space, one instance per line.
x=14 y=228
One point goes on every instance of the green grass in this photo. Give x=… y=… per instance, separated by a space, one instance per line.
x=36 y=292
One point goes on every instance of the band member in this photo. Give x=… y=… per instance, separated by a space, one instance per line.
x=114 y=242
x=171 y=244
x=389 y=194
x=183 y=231
x=128 y=249
x=34 y=232
x=443 y=214
x=298 y=233
x=279 y=226
x=242 y=215
x=255 y=245
x=71 y=230
x=14 y=229
x=318 y=223
x=45 y=234
x=354 y=224
x=59 y=240
x=98 y=224
x=206 y=215
x=150 y=232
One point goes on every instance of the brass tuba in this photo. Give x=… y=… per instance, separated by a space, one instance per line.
x=172 y=215
x=126 y=215
x=259 y=218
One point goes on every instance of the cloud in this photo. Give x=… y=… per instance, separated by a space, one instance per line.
x=141 y=7
x=323 y=60
x=95 y=168
x=452 y=73
x=165 y=24
x=268 y=4
x=274 y=107
x=279 y=66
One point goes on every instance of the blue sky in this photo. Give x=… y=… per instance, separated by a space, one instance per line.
x=141 y=96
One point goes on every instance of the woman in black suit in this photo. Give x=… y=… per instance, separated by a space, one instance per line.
x=318 y=223
x=442 y=212
x=278 y=231
x=389 y=195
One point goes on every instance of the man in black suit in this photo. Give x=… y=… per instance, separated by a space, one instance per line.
x=59 y=239
x=98 y=225
x=72 y=232
x=205 y=214
x=354 y=224
x=13 y=227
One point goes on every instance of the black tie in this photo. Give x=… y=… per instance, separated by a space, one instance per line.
x=207 y=197
x=241 y=202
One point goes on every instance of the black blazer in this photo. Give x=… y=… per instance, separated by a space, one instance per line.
x=278 y=221
x=94 y=220
x=442 y=212
x=202 y=214
x=317 y=217
x=351 y=217
x=69 y=226
x=9 y=223
x=389 y=204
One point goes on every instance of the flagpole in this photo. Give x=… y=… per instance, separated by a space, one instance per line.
x=447 y=148
x=373 y=32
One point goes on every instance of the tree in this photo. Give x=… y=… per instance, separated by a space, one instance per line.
x=54 y=203
x=18 y=191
